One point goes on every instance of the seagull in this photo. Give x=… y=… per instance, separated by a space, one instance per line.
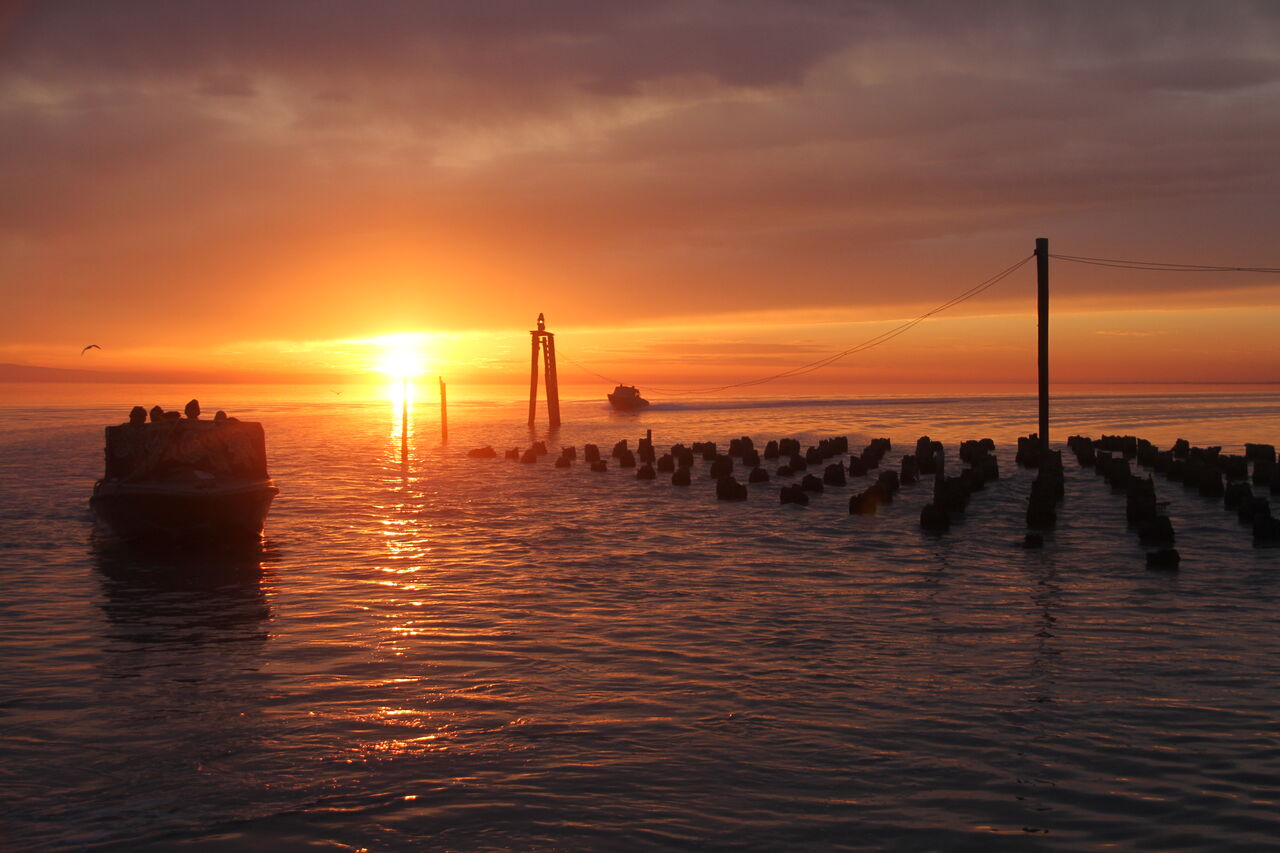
x=89 y=347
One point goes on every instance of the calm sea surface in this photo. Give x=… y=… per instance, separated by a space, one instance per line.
x=457 y=654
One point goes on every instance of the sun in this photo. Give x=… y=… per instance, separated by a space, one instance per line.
x=400 y=364
x=403 y=356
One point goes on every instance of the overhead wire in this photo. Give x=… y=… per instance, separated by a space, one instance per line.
x=818 y=364
x=1159 y=266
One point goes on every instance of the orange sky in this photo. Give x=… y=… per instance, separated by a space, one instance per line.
x=693 y=192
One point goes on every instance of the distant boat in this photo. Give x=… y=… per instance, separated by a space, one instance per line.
x=185 y=480
x=626 y=398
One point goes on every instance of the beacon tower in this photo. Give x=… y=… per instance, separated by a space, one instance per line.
x=546 y=341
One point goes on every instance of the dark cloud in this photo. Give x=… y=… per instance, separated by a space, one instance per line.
x=218 y=157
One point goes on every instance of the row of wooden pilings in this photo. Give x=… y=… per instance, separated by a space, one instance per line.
x=950 y=493
x=1207 y=470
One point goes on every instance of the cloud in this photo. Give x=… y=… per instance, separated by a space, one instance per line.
x=182 y=169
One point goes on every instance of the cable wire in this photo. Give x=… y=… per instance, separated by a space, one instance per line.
x=870 y=343
x=1159 y=266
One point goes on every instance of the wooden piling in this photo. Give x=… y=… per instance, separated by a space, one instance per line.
x=444 y=414
x=1042 y=308
x=404 y=420
x=533 y=381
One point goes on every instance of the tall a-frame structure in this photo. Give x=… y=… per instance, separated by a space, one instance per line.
x=547 y=341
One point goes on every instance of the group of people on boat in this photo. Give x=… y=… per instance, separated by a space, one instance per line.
x=138 y=415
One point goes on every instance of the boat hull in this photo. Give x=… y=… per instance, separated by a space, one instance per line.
x=172 y=513
x=627 y=404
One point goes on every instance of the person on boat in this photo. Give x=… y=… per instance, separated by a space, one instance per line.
x=137 y=416
x=193 y=410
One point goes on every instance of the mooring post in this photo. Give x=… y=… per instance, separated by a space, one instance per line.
x=444 y=414
x=1042 y=307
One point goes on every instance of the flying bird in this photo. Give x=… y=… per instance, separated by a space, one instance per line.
x=89 y=347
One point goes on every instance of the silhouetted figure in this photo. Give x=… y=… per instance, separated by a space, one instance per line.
x=192 y=410
x=137 y=416
x=221 y=418
x=173 y=416
x=157 y=414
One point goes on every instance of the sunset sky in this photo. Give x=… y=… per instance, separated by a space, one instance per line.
x=693 y=192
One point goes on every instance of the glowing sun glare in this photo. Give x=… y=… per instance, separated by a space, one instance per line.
x=402 y=357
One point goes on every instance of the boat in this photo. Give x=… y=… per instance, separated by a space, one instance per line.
x=626 y=398
x=184 y=479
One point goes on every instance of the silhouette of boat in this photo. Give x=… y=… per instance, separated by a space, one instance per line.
x=626 y=398
x=185 y=480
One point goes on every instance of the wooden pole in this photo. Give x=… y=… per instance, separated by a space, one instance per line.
x=533 y=381
x=404 y=420
x=553 y=381
x=444 y=414
x=1042 y=307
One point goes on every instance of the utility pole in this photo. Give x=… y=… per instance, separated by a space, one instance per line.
x=1042 y=307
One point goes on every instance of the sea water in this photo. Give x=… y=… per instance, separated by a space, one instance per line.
x=435 y=652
